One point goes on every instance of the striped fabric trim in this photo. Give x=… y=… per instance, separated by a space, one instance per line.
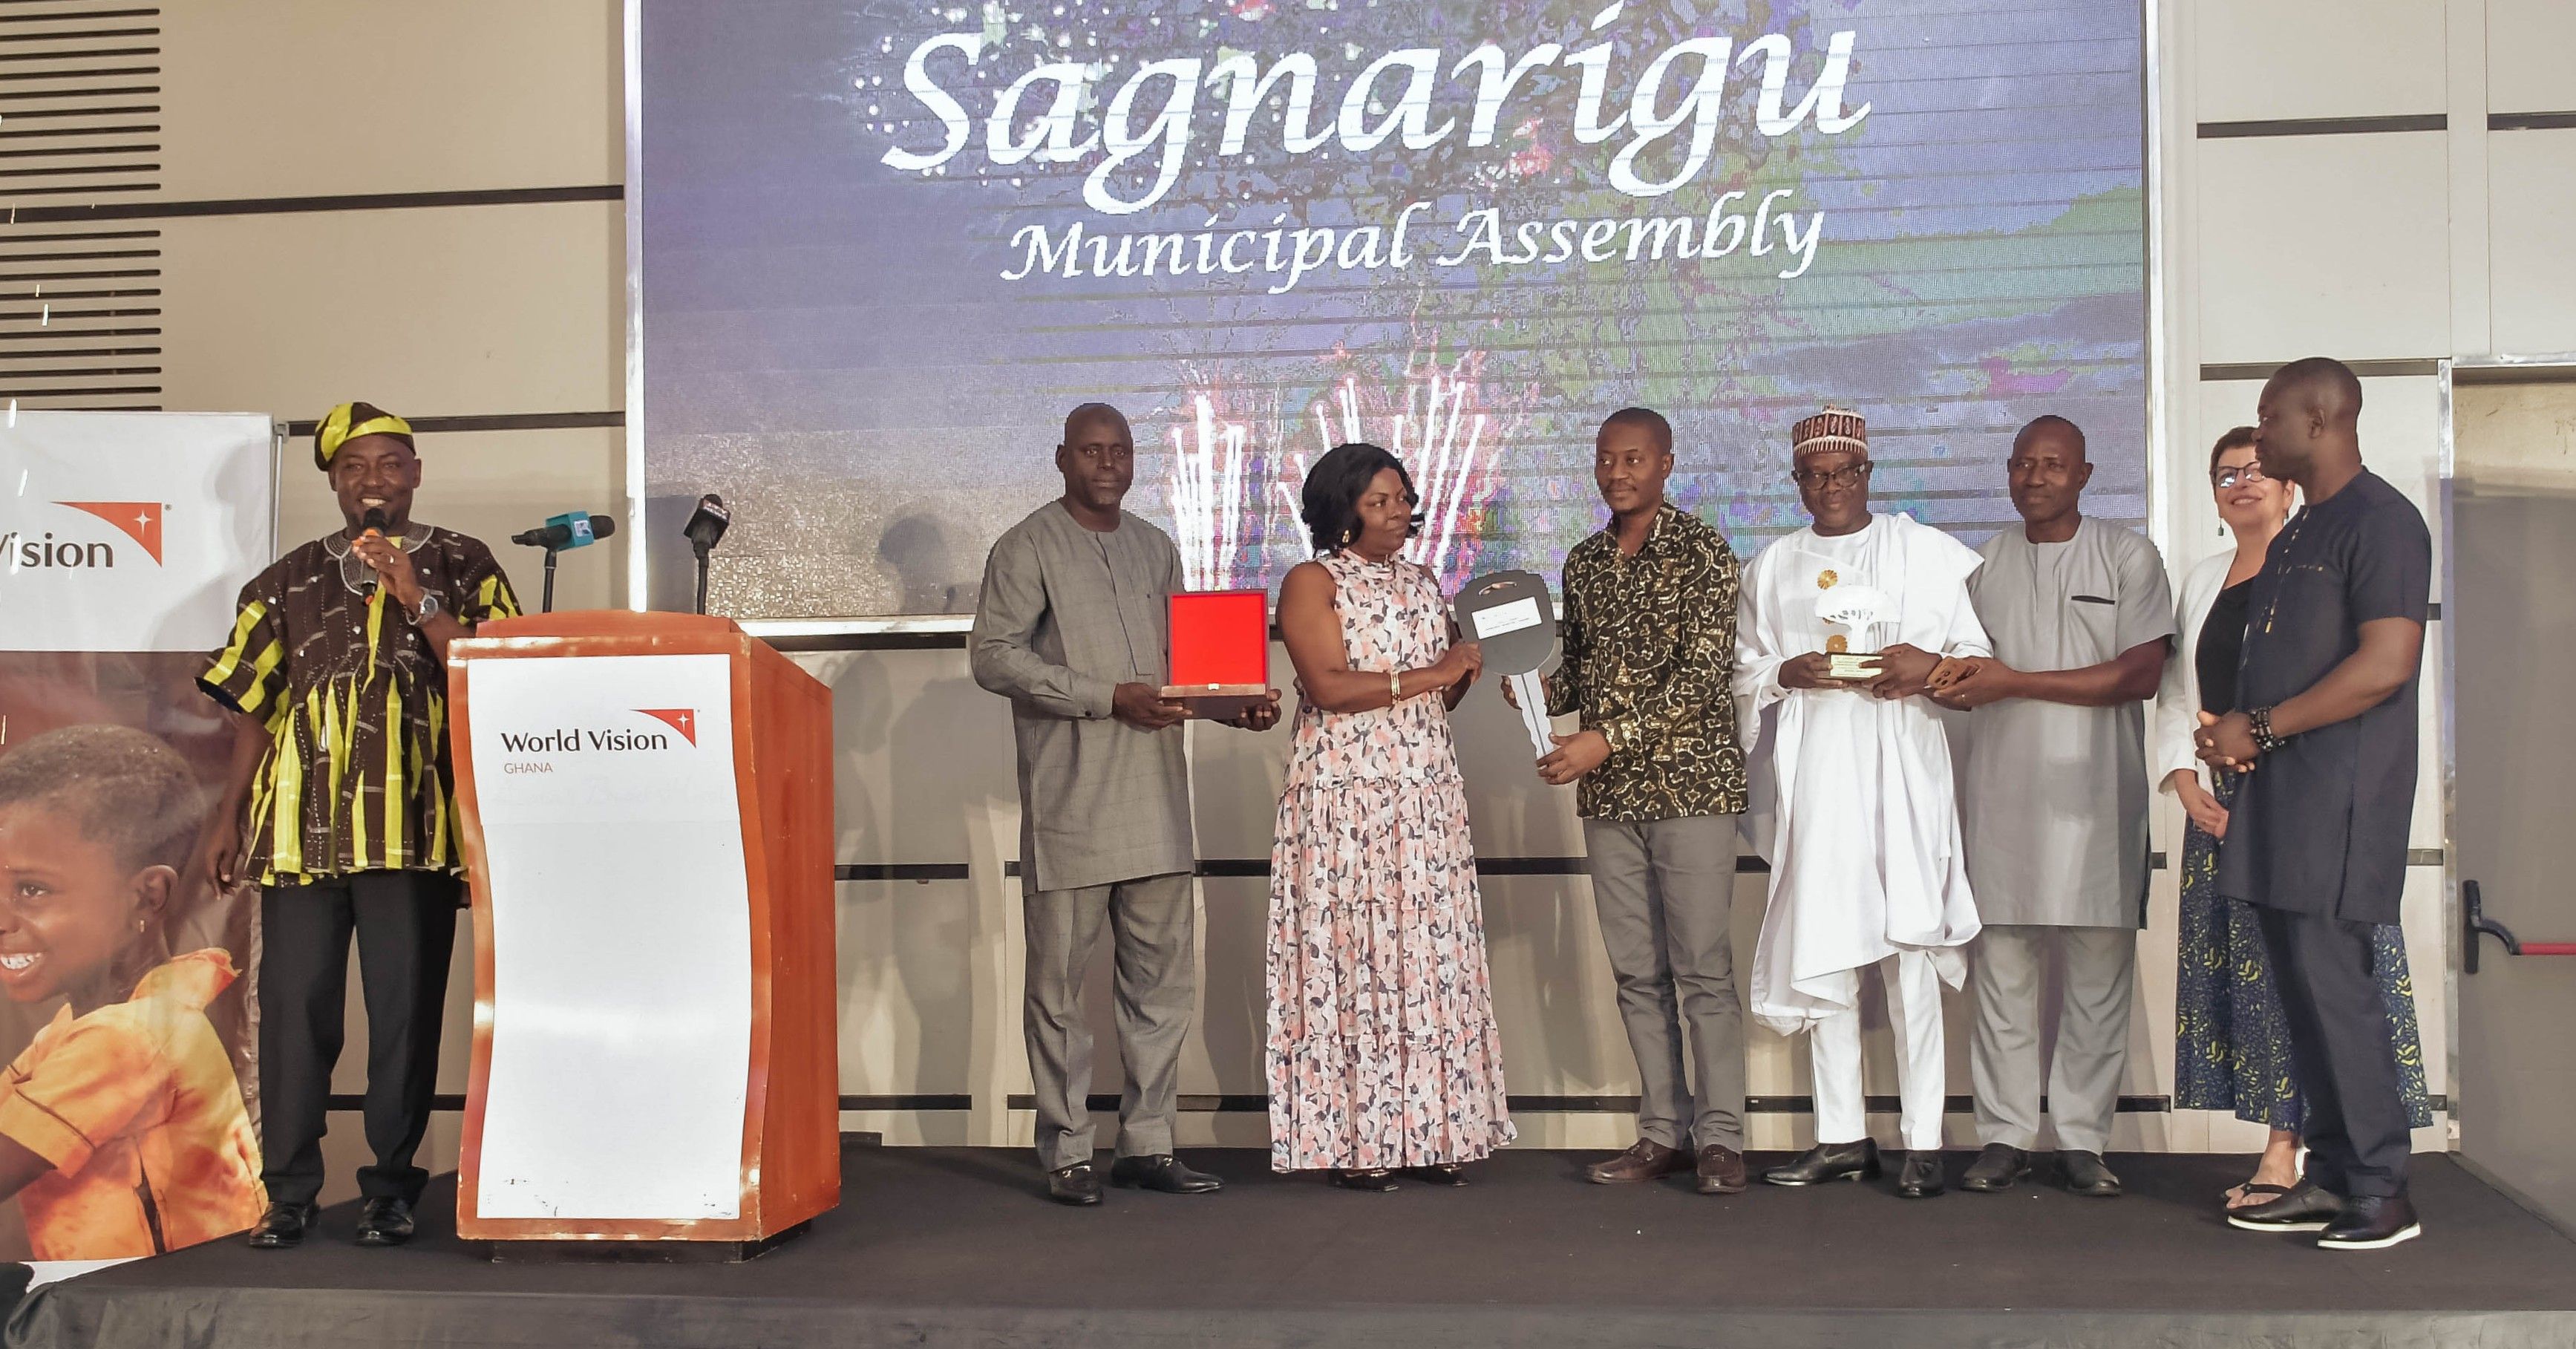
x=332 y=734
x=220 y=676
x=397 y=820
x=439 y=830
x=285 y=814
x=262 y=670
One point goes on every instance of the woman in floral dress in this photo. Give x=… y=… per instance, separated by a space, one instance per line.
x=1383 y=1055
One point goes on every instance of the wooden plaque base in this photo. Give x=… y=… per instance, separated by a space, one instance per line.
x=1217 y=702
x=1853 y=667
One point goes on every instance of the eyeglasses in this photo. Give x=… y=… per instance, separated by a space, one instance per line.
x=2229 y=477
x=1849 y=475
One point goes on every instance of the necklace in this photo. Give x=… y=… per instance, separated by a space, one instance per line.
x=354 y=571
x=2288 y=540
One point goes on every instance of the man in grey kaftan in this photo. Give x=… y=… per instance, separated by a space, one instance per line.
x=1071 y=628
x=2056 y=807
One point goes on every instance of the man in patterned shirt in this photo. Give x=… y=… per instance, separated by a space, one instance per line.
x=336 y=674
x=1649 y=639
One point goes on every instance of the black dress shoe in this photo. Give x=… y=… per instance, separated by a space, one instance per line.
x=1374 y=1180
x=2371 y=1223
x=2086 y=1174
x=282 y=1226
x=385 y=1222
x=1996 y=1169
x=2306 y=1208
x=1829 y=1161
x=1721 y=1170
x=1451 y=1174
x=1078 y=1185
x=1164 y=1173
x=1921 y=1178
x=1645 y=1159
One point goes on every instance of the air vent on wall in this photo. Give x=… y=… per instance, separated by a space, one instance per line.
x=80 y=123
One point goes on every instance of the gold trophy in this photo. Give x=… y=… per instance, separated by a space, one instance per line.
x=1851 y=612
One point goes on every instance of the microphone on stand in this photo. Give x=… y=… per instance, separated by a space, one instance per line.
x=573 y=529
x=706 y=525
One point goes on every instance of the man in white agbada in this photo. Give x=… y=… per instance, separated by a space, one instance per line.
x=1853 y=801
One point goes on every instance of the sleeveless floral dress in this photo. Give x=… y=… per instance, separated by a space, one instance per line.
x=1383 y=1050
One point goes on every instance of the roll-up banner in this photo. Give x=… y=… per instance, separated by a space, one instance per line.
x=128 y=1109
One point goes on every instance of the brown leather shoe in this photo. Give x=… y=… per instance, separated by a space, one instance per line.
x=1721 y=1170
x=1645 y=1159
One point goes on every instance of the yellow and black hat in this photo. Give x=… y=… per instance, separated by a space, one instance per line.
x=348 y=422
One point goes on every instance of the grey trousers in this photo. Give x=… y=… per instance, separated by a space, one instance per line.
x=2092 y=1033
x=1154 y=927
x=1665 y=892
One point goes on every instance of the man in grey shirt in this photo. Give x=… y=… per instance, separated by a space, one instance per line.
x=1071 y=628
x=2056 y=807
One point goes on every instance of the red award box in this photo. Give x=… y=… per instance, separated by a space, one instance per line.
x=1220 y=652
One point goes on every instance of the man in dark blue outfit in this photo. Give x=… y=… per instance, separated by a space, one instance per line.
x=2334 y=641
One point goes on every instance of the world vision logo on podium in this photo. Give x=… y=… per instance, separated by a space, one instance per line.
x=681 y=719
x=581 y=739
x=136 y=520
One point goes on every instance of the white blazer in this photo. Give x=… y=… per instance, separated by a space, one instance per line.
x=2178 y=698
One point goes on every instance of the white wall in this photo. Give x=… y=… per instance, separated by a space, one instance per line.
x=2391 y=246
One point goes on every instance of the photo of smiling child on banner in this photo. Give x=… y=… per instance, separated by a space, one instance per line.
x=122 y=1126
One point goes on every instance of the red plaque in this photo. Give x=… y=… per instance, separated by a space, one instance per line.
x=1220 y=651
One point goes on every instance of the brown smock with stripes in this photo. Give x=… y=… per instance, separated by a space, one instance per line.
x=357 y=776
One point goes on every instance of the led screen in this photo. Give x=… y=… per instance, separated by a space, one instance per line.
x=886 y=246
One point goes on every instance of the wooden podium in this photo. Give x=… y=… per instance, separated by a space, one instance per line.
x=645 y=802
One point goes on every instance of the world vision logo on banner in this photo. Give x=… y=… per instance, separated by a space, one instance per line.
x=579 y=739
x=139 y=521
x=681 y=719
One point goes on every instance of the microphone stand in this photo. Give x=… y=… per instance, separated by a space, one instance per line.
x=702 y=550
x=551 y=554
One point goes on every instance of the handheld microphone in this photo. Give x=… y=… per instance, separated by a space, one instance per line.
x=707 y=524
x=372 y=526
x=575 y=529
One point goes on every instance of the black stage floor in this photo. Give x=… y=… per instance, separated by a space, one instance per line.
x=952 y=1246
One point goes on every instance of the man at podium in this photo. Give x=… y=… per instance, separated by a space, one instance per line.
x=336 y=675
x=1071 y=628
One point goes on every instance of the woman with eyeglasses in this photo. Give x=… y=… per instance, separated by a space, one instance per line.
x=2232 y=1047
x=1383 y=1056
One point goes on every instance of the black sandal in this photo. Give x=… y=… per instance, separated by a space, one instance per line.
x=2264 y=1188
x=1376 y=1180
x=1451 y=1174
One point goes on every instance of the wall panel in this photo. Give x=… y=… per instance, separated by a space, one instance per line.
x=2322 y=244
x=2532 y=207
x=2527 y=46
x=487 y=309
x=305 y=98
x=2315 y=58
